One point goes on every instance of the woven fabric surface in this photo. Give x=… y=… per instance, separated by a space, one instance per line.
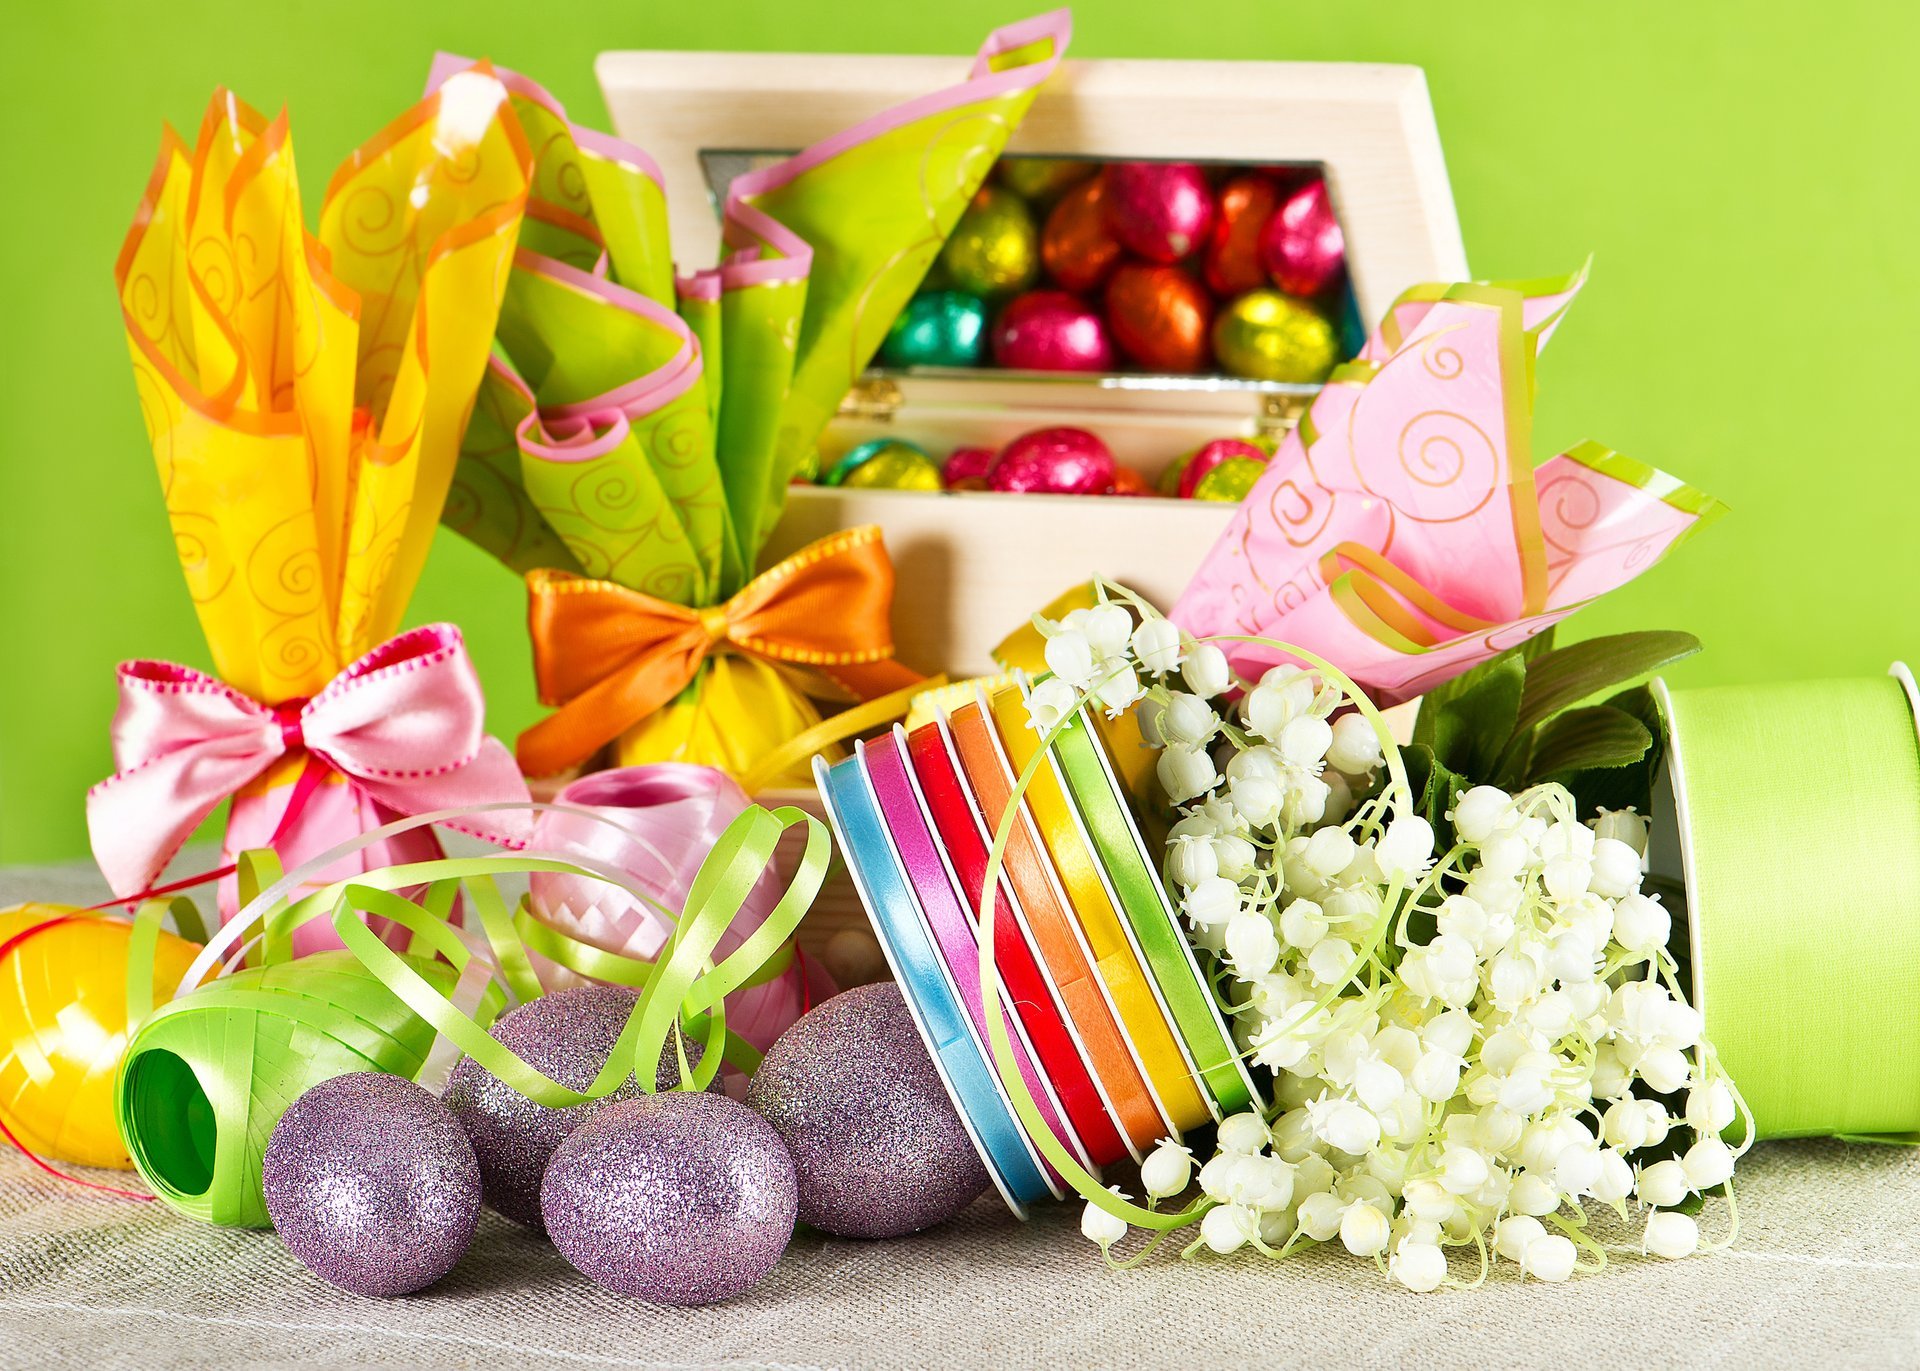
x=1827 y=1268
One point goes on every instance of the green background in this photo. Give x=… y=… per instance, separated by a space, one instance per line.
x=1744 y=182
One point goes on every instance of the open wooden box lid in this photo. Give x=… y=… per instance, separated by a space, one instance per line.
x=974 y=565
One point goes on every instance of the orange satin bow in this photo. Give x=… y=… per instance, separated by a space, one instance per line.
x=607 y=656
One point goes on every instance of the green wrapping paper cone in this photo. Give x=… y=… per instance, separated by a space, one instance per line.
x=205 y=1079
x=1792 y=812
x=641 y=430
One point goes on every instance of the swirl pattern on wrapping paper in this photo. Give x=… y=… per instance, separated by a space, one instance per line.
x=370 y=562
x=1297 y=514
x=1570 y=504
x=605 y=523
x=1442 y=362
x=283 y=579
x=1451 y=462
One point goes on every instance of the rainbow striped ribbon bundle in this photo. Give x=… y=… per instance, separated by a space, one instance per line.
x=1116 y=1033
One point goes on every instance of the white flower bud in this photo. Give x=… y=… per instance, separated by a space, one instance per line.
x=1070 y=657
x=1504 y=854
x=1156 y=645
x=1622 y=825
x=1664 y=1069
x=1167 y=1168
x=1305 y=740
x=1098 y=1226
x=1462 y=1170
x=1662 y=1184
x=1512 y=1234
x=1191 y=860
x=1188 y=720
x=1565 y=838
x=1671 y=1235
x=1226 y=1228
x=1255 y=761
x=1107 y=628
x=1306 y=802
x=1378 y=1085
x=1185 y=772
x=1244 y=1133
x=1480 y=812
x=1533 y=1195
x=1429 y=1200
x=1406 y=849
x=1364 y=1230
x=1329 y=961
x=1256 y=799
x=1614 y=1180
x=1345 y=1126
x=1356 y=747
x=1284 y=694
x=1251 y=945
x=1117 y=689
x=1436 y=1076
x=1626 y=1124
x=1710 y=1107
x=1235 y=856
x=1641 y=924
x=1550 y=1258
x=1708 y=1163
x=1302 y=924
x=1576 y=1170
x=1212 y=902
x=1568 y=877
x=1320 y=1216
x=1049 y=702
x=1611 y=1078
x=1420 y=1266
x=1451 y=1032
x=1616 y=869
x=1206 y=672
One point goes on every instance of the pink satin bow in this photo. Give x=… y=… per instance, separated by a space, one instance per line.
x=404 y=725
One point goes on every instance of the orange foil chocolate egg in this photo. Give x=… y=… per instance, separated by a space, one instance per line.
x=1076 y=246
x=1160 y=316
x=1233 y=264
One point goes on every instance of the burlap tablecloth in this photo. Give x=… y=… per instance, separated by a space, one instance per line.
x=1827 y=1272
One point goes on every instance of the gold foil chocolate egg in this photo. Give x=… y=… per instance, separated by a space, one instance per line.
x=995 y=248
x=1267 y=336
x=886 y=464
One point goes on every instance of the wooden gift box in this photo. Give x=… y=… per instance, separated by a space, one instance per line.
x=974 y=565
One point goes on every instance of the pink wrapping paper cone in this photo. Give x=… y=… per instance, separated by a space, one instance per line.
x=1402 y=531
x=658 y=823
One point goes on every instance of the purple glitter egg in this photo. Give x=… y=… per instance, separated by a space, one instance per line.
x=678 y=1198
x=372 y=1184
x=567 y=1035
x=875 y=1141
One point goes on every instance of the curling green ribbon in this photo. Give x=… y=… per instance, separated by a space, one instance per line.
x=207 y=1076
x=1797 y=813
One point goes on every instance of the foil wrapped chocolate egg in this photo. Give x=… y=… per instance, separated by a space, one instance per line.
x=372 y=1184
x=966 y=468
x=886 y=464
x=1159 y=210
x=676 y=1198
x=1231 y=480
x=1202 y=460
x=1301 y=245
x=938 y=328
x=1054 y=461
x=1050 y=330
x=1040 y=180
x=1233 y=262
x=568 y=1035
x=877 y=1147
x=1159 y=317
x=1267 y=336
x=1127 y=481
x=1076 y=246
x=994 y=249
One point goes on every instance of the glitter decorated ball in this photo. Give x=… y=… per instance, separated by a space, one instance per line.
x=1054 y=461
x=372 y=1184
x=1233 y=263
x=966 y=468
x=1041 y=179
x=568 y=1035
x=1301 y=246
x=939 y=328
x=994 y=249
x=677 y=1198
x=1159 y=210
x=877 y=1147
x=1272 y=337
x=886 y=464
x=1050 y=330
x=1159 y=317
x=1076 y=246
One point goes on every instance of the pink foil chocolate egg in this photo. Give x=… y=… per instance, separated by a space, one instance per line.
x=1050 y=330
x=1054 y=461
x=1159 y=210
x=1302 y=247
x=966 y=468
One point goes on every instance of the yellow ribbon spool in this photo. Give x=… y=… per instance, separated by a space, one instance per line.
x=63 y=1027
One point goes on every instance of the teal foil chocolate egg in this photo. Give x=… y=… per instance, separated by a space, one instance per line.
x=938 y=328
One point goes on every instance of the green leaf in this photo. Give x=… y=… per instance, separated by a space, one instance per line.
x=1438 y=700
x=1471 y=729
x=1434 y=787
x=1561 y=679
x=1629 y=786
x=1582 y=739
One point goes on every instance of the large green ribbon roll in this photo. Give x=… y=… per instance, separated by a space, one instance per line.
x=1794 y=817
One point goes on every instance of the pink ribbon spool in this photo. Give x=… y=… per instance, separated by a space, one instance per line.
x=661 y=820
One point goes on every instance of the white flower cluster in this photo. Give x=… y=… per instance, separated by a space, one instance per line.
x=1463 y=1050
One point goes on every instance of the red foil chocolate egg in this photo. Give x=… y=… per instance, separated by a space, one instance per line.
x=1301 y=246
x=1076 y=246
x=966 y=468
x=1050 y=330
x=1159 y=210
x=1054 y=461
x=1233 y=264
x=1160 y=317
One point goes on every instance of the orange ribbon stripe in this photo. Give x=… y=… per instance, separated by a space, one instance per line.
x=606 y=656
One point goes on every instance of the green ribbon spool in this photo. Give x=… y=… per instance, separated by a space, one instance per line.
x=1793 y=816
